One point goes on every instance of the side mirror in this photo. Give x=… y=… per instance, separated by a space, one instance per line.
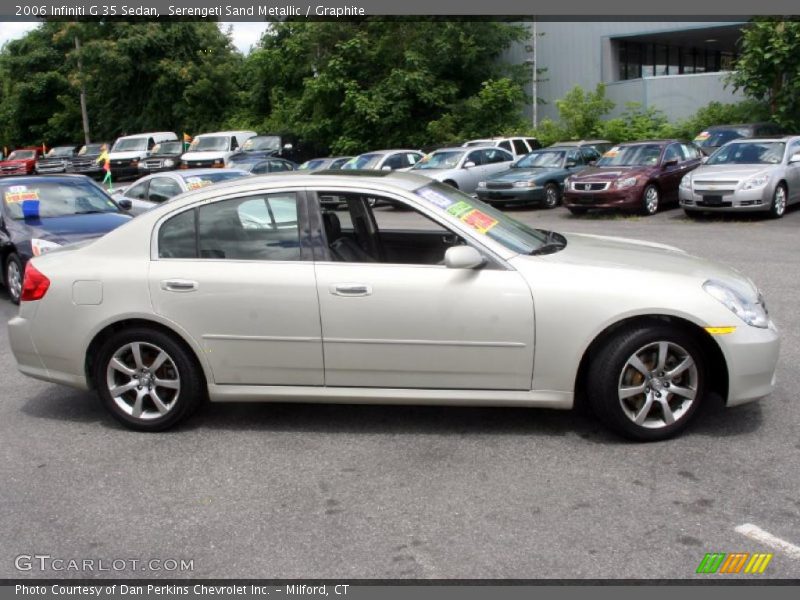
x=125 y=204
x=795 y=158
x=670 y=163
x=570 y=164
x=386 y=168
x=287 y=147
x=469 y=164
x=704 y=158
x=463 y=257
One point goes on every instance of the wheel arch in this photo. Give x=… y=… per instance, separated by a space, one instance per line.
x=451 y=183
x=126 y=323
x=718 y=377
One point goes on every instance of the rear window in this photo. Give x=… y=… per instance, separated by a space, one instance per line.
x=51 y=199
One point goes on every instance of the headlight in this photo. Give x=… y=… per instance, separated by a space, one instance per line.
x=525 y=184
x=755 y=182
x=753 y=313
x=169 y=163
x=40 y=246
x=686 y=182
x=482 y=184
x=626 y=183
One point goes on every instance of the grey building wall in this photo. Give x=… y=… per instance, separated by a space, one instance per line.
x=580 y=53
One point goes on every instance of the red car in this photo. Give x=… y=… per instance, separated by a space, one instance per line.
x=21 y=161
x=640 y=176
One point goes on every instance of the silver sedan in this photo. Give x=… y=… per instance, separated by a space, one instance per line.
x=746 y=175
x=250 y=291
x=151 y=190
x=463 y=168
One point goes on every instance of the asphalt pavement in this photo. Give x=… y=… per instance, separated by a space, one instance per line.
x=323 y=491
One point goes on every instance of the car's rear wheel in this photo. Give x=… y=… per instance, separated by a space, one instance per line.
x=13 y=277
x=551 y=195
x=147 y=380
x=650 y=200
x=646 y=383
x=778 y=206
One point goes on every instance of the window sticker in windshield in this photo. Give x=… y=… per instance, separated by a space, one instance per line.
x=435 y=197
x=459 y=209
x=612 y=152
x=20 y=193
x=703 y=135
x=479 y=221
x=195 y=183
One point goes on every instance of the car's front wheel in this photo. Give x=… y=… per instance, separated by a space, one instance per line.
x=778 y=206
x=13 y=277
x=147 y=380
x=551 y=195
x=646 y=383
x=650 y=200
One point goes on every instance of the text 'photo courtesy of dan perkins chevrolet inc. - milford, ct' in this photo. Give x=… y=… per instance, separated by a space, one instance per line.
x=221 y=10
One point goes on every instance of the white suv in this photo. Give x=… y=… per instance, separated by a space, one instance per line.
x=518 y=146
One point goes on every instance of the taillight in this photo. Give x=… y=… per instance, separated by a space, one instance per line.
x=34 y=284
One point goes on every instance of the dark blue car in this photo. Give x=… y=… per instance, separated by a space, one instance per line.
x=38 y=214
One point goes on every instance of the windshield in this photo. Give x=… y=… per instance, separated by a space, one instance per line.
x=209 y=143
x=639 y=155
x=49 y=199
x=61 y=151
x=130 y=144
x=748 y=153
x=261 y=143
x=21 y=154
x=541 y=159
x=483 y=218
x=719 y=137
x=365 y=161
x=440 y=160
x=168 y=148
x=91 y=149
x=194 y=182
x=311 y=165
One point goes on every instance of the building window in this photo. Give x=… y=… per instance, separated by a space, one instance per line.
x=644 y=59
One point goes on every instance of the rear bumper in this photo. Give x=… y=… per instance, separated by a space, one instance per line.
x=31 y=363
x=752 y=357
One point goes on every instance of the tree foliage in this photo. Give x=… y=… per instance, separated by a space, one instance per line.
x=768 y=68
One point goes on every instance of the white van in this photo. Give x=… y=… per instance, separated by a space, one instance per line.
x=213 y=149
x=128 y=150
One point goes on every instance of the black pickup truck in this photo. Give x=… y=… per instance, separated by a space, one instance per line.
x=165 y=156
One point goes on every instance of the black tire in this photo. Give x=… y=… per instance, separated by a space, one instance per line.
x=191 y=382
x=609 y=372
x=651 y=200
x=552 y=195
x=14 y=291
x=778 y=206
x=451 y=183
x=576 y=210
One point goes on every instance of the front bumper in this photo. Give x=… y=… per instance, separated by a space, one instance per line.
x=124 y=170
x=511 y=195
x=726 y=200
x=627 y=198
x=752 y=357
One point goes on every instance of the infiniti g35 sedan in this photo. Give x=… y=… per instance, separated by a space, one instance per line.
x=249 y=291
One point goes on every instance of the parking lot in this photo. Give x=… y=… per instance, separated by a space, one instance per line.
x=289 y=491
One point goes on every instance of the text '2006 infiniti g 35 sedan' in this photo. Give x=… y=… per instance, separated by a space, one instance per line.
x=250 y=291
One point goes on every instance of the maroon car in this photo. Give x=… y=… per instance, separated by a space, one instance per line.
x=640 y=176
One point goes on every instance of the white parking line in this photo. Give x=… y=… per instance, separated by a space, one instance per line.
x=759 y=535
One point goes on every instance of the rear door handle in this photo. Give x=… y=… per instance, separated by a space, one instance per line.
x=178 y=285
x=351 y=289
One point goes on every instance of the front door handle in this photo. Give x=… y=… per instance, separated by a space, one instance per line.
x=178 y=285
x=351 y=289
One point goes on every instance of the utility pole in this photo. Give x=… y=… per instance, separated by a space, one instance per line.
x=535 y=77
x=84 y=113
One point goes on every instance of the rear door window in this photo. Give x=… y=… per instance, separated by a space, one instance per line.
x=520 y=147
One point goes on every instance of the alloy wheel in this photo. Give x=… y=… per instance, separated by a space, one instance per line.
x=779 y=201
x=143 y=380
x=651 y=200
x=658 y=385
x=550 y=196
x=14 y=279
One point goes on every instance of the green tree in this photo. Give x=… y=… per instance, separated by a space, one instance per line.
x=768 y=68
x=581 y=112
x=375 y=83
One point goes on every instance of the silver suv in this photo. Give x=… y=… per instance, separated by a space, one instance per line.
x=746 y=175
